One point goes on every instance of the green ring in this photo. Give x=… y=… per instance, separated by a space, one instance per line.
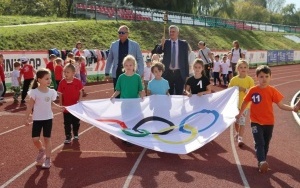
x=143 y=134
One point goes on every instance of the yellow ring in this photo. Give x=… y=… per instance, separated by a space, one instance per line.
x=192 y=136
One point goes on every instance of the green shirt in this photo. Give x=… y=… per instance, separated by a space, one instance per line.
x=129 y=86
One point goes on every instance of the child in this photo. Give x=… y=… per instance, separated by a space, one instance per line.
x=27 y=71
x=39 y=105
x=51 y=66
x=225 y=67
x=70 y=56
x=217 y=70
x=244 y=82
x=261 y=113
x=2 y=78
x=155 y=58
x=198 y=84
x=77 y=65
x=16 y=81
x=58 y=71
x=1 y=89
x=129 y=84
x=83 y=72
x=147 y=74
x=158 y=85
x=70 y=92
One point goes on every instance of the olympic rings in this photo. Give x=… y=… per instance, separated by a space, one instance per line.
x=193 y=135
x=183 y=127
x=155 y=118
x=182 y=123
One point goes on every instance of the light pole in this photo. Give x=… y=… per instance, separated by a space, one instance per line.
x=165 y=22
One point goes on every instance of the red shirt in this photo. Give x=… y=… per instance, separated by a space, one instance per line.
x=58 y=72
x=27 y=71
x=2 y=76
x=70 y=91
x=50 y=66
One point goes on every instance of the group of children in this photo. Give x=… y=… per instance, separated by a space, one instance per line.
x=261 y=96
x=67 y=85
x=222 y=69
x=129 y=85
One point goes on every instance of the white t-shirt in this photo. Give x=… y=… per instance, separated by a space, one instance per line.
x=42 y=103
x=148 y=74
x=14 y=78
x=236 y=55
x=206 y=51
x=225 y=67
x=77 y=66
x=217 y=67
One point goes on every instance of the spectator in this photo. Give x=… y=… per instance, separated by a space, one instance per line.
x=118 y=51
x=207 y=56
x=2 y=77
x=236 y=54
x=176 y=60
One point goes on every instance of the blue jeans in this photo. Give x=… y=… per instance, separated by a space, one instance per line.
x=262 y=135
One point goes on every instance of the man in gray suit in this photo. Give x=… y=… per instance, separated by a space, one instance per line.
x=176 y=60
x=120 y=49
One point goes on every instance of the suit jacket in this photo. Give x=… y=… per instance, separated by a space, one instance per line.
x=113 y=57
x=183 y=56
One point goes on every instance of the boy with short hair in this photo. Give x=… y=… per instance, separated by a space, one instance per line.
x=51 y=67
x=147 y=74
x=158 y=85
x=28 y=72
x=16 y=81
x=262 y=97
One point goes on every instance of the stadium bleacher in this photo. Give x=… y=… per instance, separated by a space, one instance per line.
x=142 y=14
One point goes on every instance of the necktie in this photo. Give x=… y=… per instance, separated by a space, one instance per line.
x=173 y=55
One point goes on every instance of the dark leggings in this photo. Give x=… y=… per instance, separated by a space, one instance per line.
x=262 y=135
x=4 y=88
x=25 y=88
x=217 y=77
x=69 y=122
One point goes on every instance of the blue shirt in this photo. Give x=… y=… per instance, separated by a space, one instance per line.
x=158 y=87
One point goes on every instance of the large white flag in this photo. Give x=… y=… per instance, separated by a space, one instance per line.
x=172 y=124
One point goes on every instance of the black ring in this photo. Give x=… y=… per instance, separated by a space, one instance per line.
x=154 y=118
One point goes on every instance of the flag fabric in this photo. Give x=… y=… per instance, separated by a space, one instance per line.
x=172 y=124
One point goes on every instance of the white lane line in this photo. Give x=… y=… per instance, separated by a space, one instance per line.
x=53 y=115
x=132 y=171
x=8 y=131
x=33 y=164
x=237 y=160
x=235 y=154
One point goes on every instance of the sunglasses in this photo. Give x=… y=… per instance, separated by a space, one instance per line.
x=122 y=32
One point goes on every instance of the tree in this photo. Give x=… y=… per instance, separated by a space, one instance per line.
x=223 y=9
x=275 y=6
x=249 y=11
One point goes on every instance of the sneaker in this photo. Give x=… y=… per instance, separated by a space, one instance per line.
x=263 y=166
x=76 y=137
x=67 y=141
x=47 y=163
x=240 y=141
x=40 y=158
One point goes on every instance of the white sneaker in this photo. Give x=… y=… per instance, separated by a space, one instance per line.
x=40 y=158
x=47 y=163
x=263 y=166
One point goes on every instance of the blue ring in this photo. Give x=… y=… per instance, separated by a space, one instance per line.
x=182 y=123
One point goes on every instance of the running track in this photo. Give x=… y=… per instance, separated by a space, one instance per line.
x=100 y=160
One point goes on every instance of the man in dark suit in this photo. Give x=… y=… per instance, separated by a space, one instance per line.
x=175 y=60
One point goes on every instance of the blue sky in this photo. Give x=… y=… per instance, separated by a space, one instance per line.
x=296 y=2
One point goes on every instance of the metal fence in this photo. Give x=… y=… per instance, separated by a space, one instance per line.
x=97 y=10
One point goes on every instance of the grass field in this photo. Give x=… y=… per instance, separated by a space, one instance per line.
x=100 y=34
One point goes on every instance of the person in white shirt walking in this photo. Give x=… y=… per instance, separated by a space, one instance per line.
x=16 y=81
x=217 y=70
x=147 y=74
